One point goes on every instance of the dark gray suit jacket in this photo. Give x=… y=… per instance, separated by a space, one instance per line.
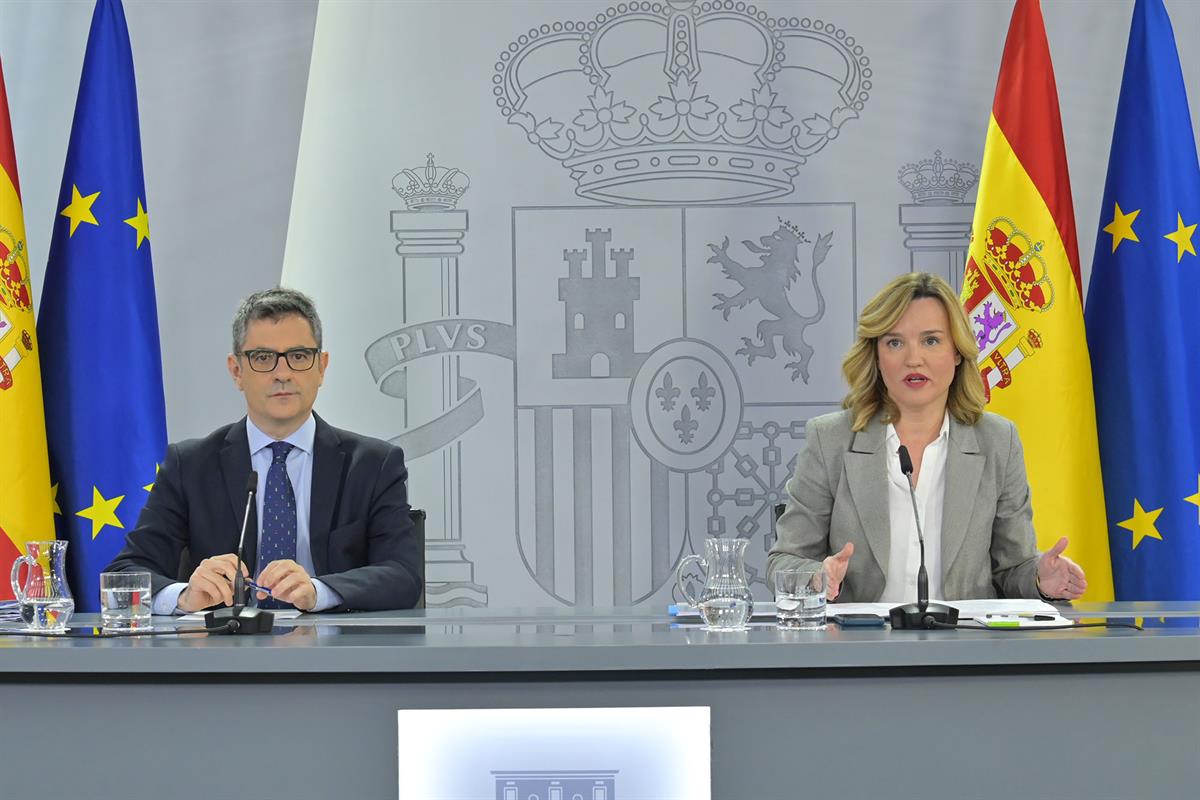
x=359 y=528
x=839 y=494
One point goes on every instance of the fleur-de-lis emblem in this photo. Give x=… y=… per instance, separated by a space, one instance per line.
x=668 y=393
x=703 y=393
x=686 y=426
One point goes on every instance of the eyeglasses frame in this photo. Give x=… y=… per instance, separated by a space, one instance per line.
x=315 y=352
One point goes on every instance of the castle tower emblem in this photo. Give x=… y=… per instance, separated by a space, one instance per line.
x=599 y=295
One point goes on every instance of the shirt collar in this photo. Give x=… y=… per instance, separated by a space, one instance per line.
x=301 y=438
x=893 y=439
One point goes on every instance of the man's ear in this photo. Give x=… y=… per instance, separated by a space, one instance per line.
x=235 y=369
x=322 y=365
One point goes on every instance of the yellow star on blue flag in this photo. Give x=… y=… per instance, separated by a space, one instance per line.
x=79 y=210
x=140 y=222
x=102 y=511
x=1182 y=238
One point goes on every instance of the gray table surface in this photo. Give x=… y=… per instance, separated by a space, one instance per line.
x=594 y=640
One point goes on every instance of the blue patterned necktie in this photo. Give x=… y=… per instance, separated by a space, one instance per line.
x=278 y=539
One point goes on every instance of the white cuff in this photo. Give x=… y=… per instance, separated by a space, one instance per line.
x=166 y=602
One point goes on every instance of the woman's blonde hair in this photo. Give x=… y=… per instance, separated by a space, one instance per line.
x=868 y=395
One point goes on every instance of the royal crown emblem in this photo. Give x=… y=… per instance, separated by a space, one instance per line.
x=14 y=272
x=433 y=188
x=1016 y=267
x=938 y=181
x=683 y=101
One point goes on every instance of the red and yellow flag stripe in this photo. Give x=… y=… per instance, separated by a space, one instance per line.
x=27 y=509
x=1024 y=259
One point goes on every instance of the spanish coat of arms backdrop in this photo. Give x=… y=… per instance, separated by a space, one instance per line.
x=594 y=264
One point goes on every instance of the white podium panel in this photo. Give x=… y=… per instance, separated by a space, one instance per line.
x=555 y=753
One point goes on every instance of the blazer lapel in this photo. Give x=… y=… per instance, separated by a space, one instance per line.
x=964 y=469
x=235 y=469
x=866 y=473
x=326 y=486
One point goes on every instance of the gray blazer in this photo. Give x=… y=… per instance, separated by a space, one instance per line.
x=839 y=494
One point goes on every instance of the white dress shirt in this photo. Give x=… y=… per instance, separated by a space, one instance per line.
x=904 y=558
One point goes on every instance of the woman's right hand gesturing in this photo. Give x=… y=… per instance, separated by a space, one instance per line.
x=835 y=570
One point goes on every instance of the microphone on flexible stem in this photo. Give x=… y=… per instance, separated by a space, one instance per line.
x=921 y=614
x=237 y=618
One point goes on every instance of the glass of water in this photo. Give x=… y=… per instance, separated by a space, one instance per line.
x=800 y=598
x=125 y=601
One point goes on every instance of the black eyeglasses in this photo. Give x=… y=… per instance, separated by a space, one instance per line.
x=299 y=359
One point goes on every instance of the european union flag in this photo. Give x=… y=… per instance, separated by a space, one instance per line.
x=97 y=323
x=1143 y=310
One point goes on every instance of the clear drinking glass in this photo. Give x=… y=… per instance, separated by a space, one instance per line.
x=125 y=601
x=800 y=598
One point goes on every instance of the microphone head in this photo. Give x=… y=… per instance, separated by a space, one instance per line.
x=906 y=465
x=239 y=589
x=252 y=483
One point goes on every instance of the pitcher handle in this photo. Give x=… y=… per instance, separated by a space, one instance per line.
x=679 y=581
x=18 y=591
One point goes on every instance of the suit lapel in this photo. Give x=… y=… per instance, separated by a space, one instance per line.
x=866 y=473
x=235 y=469
x=326 y=484
x=964 y=469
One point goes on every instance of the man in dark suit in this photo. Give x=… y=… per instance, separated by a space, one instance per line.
x=330 y=529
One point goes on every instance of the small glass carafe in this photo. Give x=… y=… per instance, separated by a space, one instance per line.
x=724 y=602
x=44 y=597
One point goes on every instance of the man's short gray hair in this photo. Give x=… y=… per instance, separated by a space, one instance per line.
x=274 y=304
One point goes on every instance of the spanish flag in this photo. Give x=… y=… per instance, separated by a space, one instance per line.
x=26 y=511
x=1023 y=295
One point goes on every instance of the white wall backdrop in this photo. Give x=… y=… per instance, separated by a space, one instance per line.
x=513 y=319
x=599 y=318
